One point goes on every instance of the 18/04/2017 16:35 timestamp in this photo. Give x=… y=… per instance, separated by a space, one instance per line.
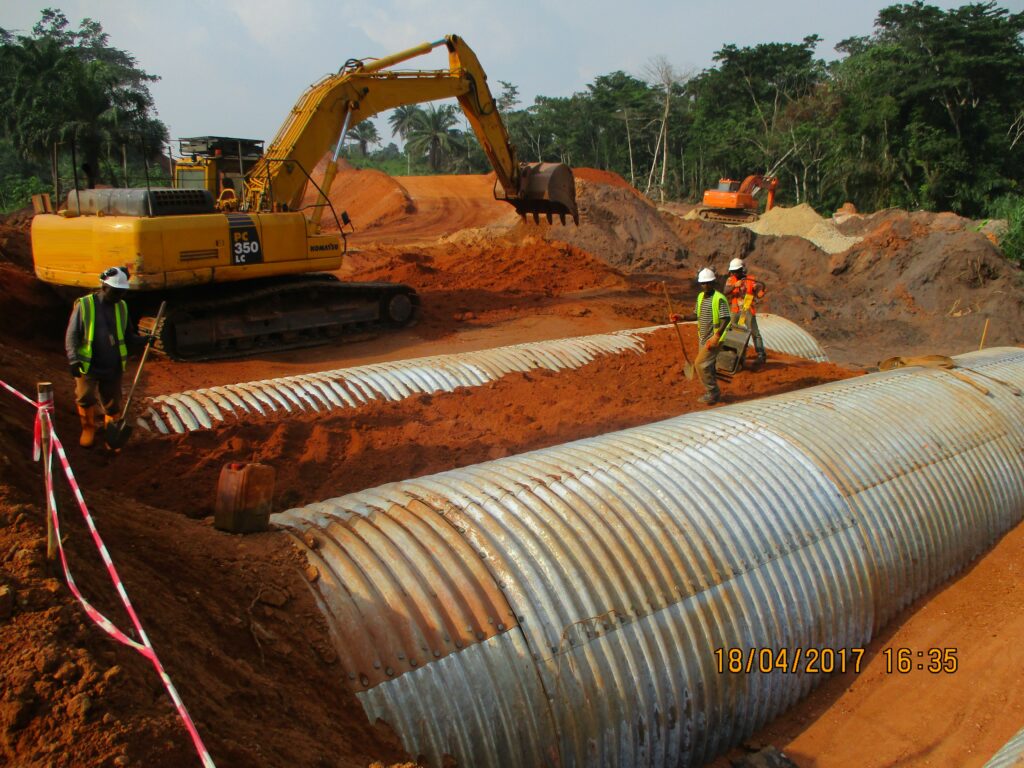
x=937 y=661
x=828 y=660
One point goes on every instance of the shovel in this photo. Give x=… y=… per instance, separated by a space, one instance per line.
x=116 y=433
x=688 y=366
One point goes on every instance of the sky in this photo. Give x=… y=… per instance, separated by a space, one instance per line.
x=236 y=67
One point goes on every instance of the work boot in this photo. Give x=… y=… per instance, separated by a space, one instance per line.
x=88 y=418
x=109 y=418
x=707 y=399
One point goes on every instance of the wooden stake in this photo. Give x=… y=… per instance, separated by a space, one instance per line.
x=44 y=395
x=984 y=333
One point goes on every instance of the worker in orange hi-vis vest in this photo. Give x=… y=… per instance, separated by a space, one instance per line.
x=743 y=292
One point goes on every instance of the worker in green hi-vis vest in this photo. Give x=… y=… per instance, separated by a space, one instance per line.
x=99 y=338
x=713 y=320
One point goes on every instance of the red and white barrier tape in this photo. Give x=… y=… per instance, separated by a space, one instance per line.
x=37 y=428
x=44 y=412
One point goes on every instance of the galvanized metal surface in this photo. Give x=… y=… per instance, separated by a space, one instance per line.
x=782 y=335
x=350 y=387
x=1011 y=755
x=799 y=521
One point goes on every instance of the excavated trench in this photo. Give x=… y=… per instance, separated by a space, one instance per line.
x=589 y=619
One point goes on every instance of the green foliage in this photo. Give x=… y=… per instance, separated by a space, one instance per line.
x=64 y=86
x=1011 y=208
x=926 y=112
x=433 y=133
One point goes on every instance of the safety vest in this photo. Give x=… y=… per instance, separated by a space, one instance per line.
x=717 y=300
x=87 y=306
x=742 y=293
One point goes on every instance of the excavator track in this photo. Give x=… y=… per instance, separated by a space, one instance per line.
x=237 y=320
x=723 y=216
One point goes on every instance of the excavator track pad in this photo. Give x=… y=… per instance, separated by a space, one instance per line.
x=728 y=216
x=237 y=320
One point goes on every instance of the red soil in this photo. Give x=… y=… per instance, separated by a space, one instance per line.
x=372 y=198
x=597 y=176
x=259 y=678
x=340 y=452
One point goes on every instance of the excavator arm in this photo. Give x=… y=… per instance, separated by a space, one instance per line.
x=334 y=105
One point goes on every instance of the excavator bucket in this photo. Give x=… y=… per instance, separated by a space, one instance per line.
x=547 y=189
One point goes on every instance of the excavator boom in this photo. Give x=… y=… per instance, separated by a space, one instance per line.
x=337 y=103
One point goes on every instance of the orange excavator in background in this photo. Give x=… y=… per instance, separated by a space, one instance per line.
x=249 y=270
x=734 y=202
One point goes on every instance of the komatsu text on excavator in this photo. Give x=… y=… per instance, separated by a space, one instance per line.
x=234 y=231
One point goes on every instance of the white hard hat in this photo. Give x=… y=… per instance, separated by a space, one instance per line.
x=116 y=277
x=735 y=264
x=706 y=275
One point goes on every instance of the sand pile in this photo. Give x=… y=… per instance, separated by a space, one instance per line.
x=917 y=282
x=802 y=221
x=371 y=198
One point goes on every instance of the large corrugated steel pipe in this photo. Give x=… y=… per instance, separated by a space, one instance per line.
x=568 y=606
x=351 y=387
x=1011 y=755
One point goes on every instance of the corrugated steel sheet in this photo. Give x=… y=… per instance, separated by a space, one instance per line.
x=350 y=387
x=782 y=335
x=804 y=520
x=1011 y=755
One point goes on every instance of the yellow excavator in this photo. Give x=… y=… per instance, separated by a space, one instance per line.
x=255 y=264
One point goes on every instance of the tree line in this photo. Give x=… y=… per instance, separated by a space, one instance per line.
x=925 y=112
x=66 y=93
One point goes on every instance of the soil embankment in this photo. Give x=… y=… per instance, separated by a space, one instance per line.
x=233 y=618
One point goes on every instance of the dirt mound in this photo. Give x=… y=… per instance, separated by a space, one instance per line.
x=441 y=205
x=527 y=264
x=916 y=283
x=372 y=198
x=620 y=227
x=16 y=246
x=597 y=176
x=19 y=219
x=31 y=309
x=803 y=221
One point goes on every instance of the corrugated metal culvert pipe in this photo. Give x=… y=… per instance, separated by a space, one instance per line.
x=1011 y=755
x=205 y=408
x=564 y=607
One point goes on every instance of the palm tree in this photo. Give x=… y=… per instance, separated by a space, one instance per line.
x=365 y=134
x=402 y=119
x=433 y=134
